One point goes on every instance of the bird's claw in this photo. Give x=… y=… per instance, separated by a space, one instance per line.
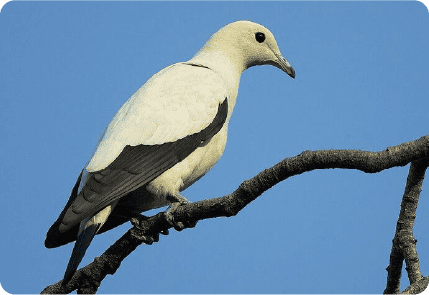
x=137 y=220
x=164 y=232
x=147 y=239
x=179 y=225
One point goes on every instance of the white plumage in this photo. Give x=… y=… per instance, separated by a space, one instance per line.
x=178 y=101
x=164 y=138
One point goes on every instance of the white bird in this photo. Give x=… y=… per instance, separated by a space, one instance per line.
x=164 y=138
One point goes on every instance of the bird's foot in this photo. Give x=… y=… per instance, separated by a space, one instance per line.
x=137 y=221
x=176 y=202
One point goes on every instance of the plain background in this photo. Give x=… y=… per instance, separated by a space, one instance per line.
x=361 y=83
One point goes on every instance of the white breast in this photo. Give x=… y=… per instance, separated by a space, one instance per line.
x=198 y=163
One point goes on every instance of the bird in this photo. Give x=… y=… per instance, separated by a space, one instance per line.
x=164 y=138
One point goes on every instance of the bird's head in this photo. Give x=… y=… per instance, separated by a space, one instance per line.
x=247 y=44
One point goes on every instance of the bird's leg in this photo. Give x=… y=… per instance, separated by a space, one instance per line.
x=176 y=201
x=137 y=220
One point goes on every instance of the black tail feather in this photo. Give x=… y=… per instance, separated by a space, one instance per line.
x=82 y=243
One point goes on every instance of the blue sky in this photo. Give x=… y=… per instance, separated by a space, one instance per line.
x=361 y=83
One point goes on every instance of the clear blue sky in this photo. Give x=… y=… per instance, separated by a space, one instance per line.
x=362 y=82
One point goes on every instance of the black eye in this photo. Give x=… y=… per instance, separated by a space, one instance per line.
x=260 y=37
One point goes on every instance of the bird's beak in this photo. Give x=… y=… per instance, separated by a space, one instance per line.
x=284 y=65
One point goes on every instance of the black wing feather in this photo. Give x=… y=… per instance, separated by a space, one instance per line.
x=125 y=178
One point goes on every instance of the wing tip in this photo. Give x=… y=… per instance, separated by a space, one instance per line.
x=60 y=234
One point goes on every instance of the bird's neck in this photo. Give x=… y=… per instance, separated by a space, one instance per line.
x=225 y=63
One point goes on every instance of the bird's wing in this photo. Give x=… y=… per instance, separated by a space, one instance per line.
x=159 y=126
x=178 y=101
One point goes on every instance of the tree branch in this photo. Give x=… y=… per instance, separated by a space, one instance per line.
x=88 y=279
x=417 y=287
x=404 y=243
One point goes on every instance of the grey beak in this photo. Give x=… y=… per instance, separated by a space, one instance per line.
x=290 y=71
x=285 y=66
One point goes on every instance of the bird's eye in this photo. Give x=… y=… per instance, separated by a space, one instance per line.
x=260 y=37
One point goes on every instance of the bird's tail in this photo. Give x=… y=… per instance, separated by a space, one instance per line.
x=82 y=243
x=88 y=228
